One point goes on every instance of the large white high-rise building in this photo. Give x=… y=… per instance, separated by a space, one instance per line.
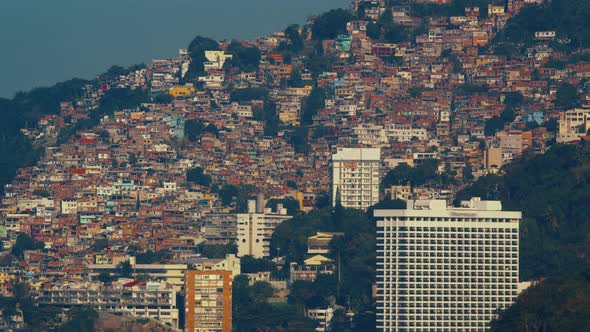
x=442 y=268
x=256 y=227
x=355 y=177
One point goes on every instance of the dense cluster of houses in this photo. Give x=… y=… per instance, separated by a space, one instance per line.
x=124 y=182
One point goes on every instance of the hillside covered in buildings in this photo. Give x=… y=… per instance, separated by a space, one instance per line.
x=224 y=163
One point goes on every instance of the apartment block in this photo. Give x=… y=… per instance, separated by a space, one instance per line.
x=124 y=297
x=443 y=268
x=355 y=177
x=208 y=301
x=256 y=227
x=573 y=124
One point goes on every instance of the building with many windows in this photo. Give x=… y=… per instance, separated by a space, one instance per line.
x=125 y=297
x=443 y=268
x=256 y=227
x=355 y=177
x=208 y=301
x=405 y=132
x=573 y=124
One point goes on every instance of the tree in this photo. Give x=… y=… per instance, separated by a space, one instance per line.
x=8 y=305
x=566 y=96
x=218 y=250
x=41 y=193
x=301 y=292
x=554 y=304
x=271 y=119
x=249 y=94
x=132 y=159
x=82 y=319
x=298 y=138
x=149 y=257
x=124 y=269
x=550 y=190
x=25 y=242
x=312 y=104
x=567 y=18
x=357 y=254
x=100 y=245
x=296 y=43
x=261 y=291
x=330 y=24
x=163 y=98
x=105 y=278
x=513 y=99
x=292 y=184
x=291 y=204
x=251 y=312
x=196 y=176
x=403 y=174
x=245 y=58
x=467 y=173
x=250 y=264
x=212 y=129
x=193 y=129
x=295 y=79
x=374 y=31
x=322 y=200
x=197 y=49
x=227 y=194
x=493 y=125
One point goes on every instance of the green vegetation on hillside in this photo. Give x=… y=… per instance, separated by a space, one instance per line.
x=425 y=173
x=23 y=111
x=330 y=24
x=569 y=18
x=195 y=128
x=196 y=176
x=498 y=122
x=312 y=103
x=554 y=305
x=552 y=191
x=197 y=49
x=245 y=58
x=356 y=249
x=252 y=312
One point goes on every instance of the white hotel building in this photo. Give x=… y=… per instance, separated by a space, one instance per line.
x=442 y=268
x=355 y=177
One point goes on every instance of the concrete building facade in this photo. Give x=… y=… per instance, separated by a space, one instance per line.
x=355 y=177
x=208 y=301
x=154 y=300
x=444 y=268
x=256 y=227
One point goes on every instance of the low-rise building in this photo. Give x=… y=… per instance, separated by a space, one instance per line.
x=149 y=299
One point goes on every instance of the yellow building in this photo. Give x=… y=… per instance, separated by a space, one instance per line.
x=5 y=280
x=495 y=10
x=182 y=91
x=290 y=117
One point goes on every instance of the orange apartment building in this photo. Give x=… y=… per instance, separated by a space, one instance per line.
x=208 y=301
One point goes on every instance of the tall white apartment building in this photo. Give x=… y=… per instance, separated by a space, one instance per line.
x=355 y=177
x=256 y=227
x=442 y=268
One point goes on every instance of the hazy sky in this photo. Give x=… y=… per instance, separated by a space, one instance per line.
x=46 y=41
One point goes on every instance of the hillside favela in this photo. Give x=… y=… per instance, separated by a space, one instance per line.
x=395 y=165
